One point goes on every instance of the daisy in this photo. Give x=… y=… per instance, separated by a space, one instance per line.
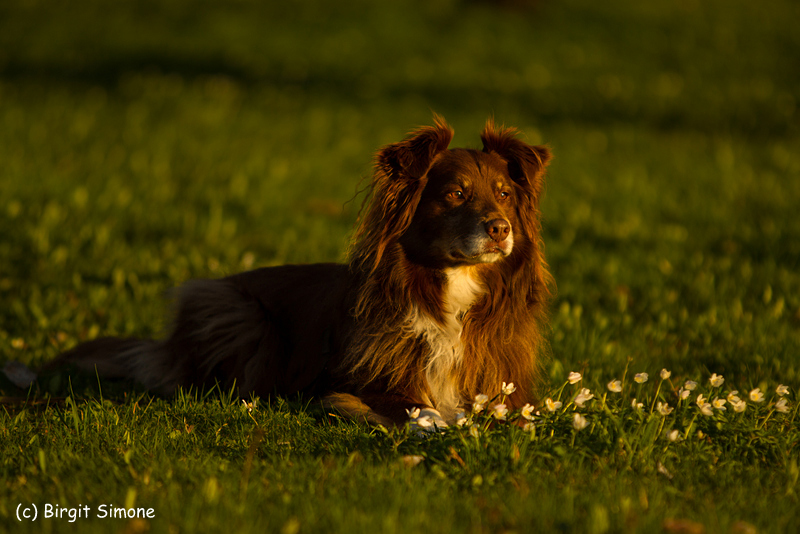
x=583 y=396
x=716 y=380
x=665 y=374
x=615 y=386
x=690 y=385
x=412 y=460
x=663 y=470
x=782 y=390
x=719 y=404
x=574 y=377
x=509 y=388
x=500 y=411
x=636 y=405
x=579 y=422
x=782 y=406
x=552 y=405
x=480 y=403
x=739 y=406
x=684 y=393
x=733 y=397
x=705 y=407
x=674 y=436
x=756 y=395
x=641 y=378
x=664 y=409
x=461 y=419
x=527 y=412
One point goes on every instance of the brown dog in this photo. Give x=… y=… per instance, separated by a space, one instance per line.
x=443 y=297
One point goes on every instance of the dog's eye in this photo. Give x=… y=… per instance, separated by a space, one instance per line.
x=456 y=195
x=504 y=195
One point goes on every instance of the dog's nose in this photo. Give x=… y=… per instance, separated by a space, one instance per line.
x=498 y=229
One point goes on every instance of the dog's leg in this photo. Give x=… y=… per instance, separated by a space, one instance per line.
x=428 y=420
x=396 y=411
x=354 y=408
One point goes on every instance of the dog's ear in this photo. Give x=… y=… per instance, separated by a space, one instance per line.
x=526 y=163
x=397 y=186
x=412 y=157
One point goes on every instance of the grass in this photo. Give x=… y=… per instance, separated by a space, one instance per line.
x=159 y=141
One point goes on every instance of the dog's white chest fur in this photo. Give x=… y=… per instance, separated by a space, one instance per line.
x=444 y=341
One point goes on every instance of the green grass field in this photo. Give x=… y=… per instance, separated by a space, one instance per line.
x=146 y=143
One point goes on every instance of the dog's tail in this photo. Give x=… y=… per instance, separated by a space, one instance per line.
x=142 y=360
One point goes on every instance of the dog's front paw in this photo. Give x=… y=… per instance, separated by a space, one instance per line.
x=426 y=420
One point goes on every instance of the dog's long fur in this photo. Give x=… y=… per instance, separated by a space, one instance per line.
x=443 y=297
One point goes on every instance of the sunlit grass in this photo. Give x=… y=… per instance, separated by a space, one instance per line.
x=151 y=143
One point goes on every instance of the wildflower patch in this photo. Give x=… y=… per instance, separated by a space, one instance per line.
x=631 y=417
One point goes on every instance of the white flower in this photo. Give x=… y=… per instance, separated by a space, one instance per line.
x=552 y=405
x=527 y=412
x=461 y=419
x=413 y=413
x=663 y=408
x=480 y=403
x=574 y=377
x=615 y=386
x=499 y=411
x=636 y=405
x=663 y=470
x=782 y=390
x=716 y=380
x=509 y=388
x=733 y=397
x=529 y=427
x=756 y=395
x=674 y=436
x=782 y=406
x=641 y=378
x=690 y=385
x=474 y=432
x=579 y=422
x=248 y=405
x=412 y=460
x=684 y=393
x=583 y=396
x=665 y=374
x=739 y=406
x=718 y=404
x=705 y=407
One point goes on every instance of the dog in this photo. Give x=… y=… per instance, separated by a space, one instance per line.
x=444 y=297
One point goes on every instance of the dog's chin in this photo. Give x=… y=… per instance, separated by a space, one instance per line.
x=487 y=255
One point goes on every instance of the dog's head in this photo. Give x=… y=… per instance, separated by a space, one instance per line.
x=453 y=207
